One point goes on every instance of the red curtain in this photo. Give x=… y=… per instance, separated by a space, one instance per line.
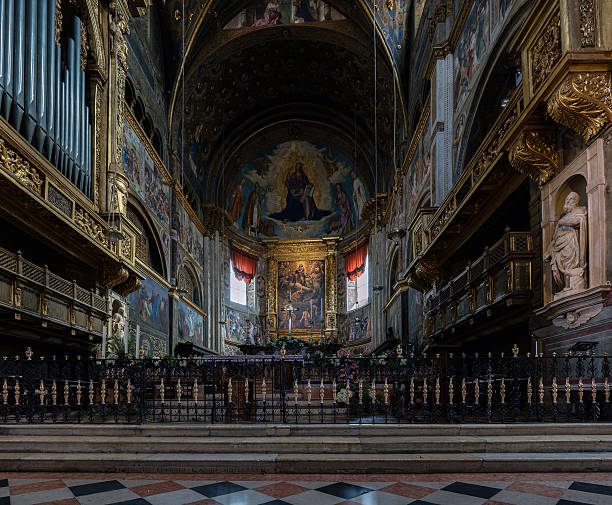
x=244 y=265
x=354 y=262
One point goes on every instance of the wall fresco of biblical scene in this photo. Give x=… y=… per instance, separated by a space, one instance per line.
x=482 y=26
x=145 y=178
x=355 y=326
x=149 y=306
x=188 y=234
x=304 y=282
x=283 y=12
x=242 y=328
x=190 y=324
x=297 y=190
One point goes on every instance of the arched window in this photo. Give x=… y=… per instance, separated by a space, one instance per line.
x=146 y=247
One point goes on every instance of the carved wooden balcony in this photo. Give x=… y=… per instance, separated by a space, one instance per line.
x=500 y=277
x=34 y=293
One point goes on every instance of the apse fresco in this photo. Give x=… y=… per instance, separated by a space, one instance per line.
x=283 y=12
x=301 y=284
x=190 y=325
x=149 y=306
x=145 y=178
x=297 y=190
x=481 y=27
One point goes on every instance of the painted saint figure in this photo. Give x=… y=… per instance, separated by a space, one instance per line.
x=236 y=200
x=567 y=250
x=359 y=194
x=300 y=204
x=271 y=16
x=346 y=212
x=252 y=212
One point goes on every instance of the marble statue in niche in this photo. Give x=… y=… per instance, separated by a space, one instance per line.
x=567 y=250
x=118 y=320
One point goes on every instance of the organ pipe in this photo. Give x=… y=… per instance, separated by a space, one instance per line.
x=42 y=86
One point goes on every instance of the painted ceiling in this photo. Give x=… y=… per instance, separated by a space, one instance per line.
x=242 y=80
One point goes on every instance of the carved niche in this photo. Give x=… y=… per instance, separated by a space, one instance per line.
x=583 y=103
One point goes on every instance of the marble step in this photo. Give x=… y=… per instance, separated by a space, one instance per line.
x=305 y=463
x=306 y=445
x=303 y=430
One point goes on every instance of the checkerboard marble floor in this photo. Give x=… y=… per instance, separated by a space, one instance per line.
x=175 y=489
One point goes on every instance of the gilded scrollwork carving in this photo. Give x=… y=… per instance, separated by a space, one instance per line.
x=587 y=23
x=119 y=28
x=90 y=227
x=424 y=275
x=114 y=274
x=133 y=283
x=546 y=52
x=21 y=169
x=535 y=156
x=583 y=103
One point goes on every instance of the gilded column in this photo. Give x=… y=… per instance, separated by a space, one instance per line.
x=118 y=29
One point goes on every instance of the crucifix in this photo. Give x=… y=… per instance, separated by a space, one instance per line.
x=291 y=309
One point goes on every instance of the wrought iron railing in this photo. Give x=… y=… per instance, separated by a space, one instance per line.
x=299 y=390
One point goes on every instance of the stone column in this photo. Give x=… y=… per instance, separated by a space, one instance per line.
x=442 y=121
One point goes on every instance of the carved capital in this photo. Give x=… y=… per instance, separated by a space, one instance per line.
x=214 y=219
x=583 y=103
x=535 y=156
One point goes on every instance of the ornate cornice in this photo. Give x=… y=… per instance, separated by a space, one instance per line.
x=534 y=155
x=214 y=219
x=583 y=103
x=374 y=210
x=21 y=169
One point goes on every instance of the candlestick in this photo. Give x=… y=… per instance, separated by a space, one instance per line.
x=321 y=310
x=104 y=341
x=137 y=340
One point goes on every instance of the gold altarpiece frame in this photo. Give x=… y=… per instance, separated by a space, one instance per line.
x=305 y=250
